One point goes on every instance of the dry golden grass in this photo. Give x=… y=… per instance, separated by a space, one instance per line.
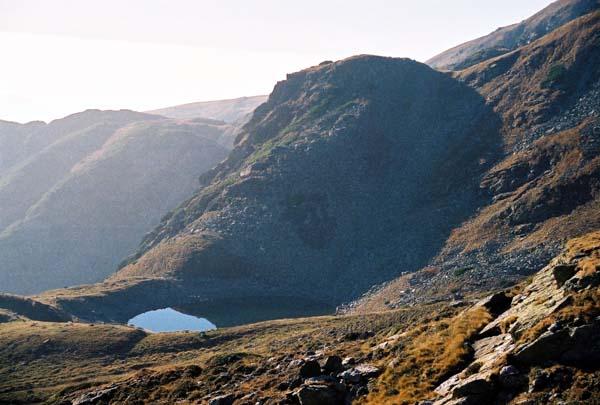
x=433 y=352
x=521 y=95
x=589 y=245
x=39 y=360
x=490 y=226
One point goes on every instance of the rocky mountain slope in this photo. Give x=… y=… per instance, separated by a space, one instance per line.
x=545 y=190
x=337 y=170
x=80 y=192
x=535 y=342
x=481 y=176
x=466 y=184
x=506 y=39
x=230 y=111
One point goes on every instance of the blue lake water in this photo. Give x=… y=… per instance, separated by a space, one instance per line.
x=170 y=320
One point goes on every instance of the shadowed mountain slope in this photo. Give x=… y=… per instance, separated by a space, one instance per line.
x=547 y=188
x=13 y=138
x=506 y=39
x=49 y=151
x=346 y=163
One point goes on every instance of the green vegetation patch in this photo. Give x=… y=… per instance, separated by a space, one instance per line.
x=555 y=76
x=462 y=271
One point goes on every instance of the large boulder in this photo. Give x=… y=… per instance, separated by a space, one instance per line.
x=563 y=272
x=333 y=364
x=310 y=368
x=550 y=345
x=496 y=303
x=480 y=385
x=578 y=346
x=322 y=390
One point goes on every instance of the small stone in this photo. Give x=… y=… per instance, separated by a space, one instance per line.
x=509 y=370
x=295 y=383
x=319 y=395
x=555 y=327
x=348 y=361
x=295 y=363
x=222 y=400
x=539 y=381
x=510 y=377
x=563 y=272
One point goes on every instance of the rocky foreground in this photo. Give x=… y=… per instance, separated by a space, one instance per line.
x=534 y=342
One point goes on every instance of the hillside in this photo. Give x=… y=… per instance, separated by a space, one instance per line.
x=533 y=343
x=337 y=184
x=87 y=189
x=231 y=111
x=506 y=39
x=327 y=179
x=13 y=137
x=48 y=153
x=376 y=232
x=545 y=190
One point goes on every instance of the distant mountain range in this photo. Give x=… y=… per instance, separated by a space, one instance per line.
x=230 y=111
x=79 y=193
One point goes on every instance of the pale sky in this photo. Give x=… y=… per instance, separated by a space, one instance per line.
x=64 y=56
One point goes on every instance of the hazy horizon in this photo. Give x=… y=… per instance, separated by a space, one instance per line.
x=64 y=56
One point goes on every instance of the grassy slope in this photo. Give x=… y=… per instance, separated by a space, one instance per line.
x=39 y=359
x=417 y=348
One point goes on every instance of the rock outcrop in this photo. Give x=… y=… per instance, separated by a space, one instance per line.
x=547 y=324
